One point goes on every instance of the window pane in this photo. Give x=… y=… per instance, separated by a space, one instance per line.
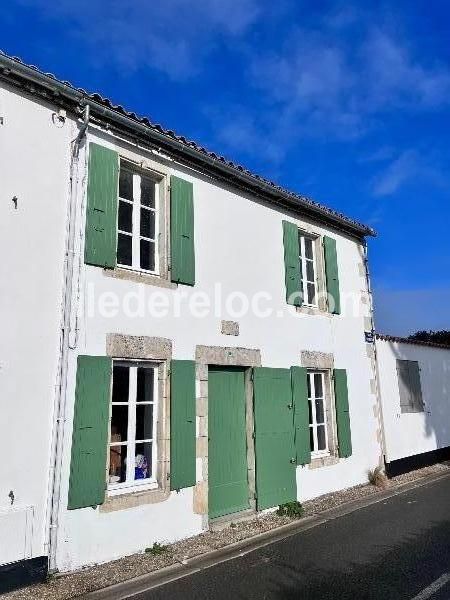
x=125 y=216
x=145 y=379
x=311 y=293
x=119 y=423
x=147 y=223
x=126 y=184
x=320 y=415
x=308 y=379
x=147 y=192
x=321 y=445
x=300 y=243
x=144 y=422
x=318 y=388
x=121 y=377
x=308 y=248
x=143 y=461
x=147 y=260
x=124 y=249
x=309 y=270
x=311 y=439
x=310 y=412
x=117 y=464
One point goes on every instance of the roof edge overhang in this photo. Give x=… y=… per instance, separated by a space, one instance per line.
x=401 y=340
x=62 y=93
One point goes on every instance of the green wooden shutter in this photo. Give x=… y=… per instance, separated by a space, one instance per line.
x=332 y=274
x=182 y=231
x=342 y=413
x=274 y=437
x=301 y=414
x=182 y=424
x=292 y=263
x=90 y=432
x=101 y=212
x=227 y=442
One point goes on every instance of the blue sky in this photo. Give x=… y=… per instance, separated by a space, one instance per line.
x=346 y=102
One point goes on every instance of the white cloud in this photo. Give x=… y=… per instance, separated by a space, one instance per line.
x=409 y=166
x=172 y=36
x=396 y=78
x=331 y=87
x=399 y=171
x=379 y=155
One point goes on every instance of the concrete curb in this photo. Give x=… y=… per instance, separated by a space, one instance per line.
x=148 y=581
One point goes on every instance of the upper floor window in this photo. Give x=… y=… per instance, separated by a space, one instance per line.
x=137 y=223
x=134 y=408
x=308 y=269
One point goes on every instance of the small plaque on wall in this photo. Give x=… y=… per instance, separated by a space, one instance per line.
x=369 y=337
x=230 y=328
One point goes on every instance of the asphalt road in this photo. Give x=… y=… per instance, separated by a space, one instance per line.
x=398 y=548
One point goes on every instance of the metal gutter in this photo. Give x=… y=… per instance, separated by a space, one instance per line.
x=12 y=69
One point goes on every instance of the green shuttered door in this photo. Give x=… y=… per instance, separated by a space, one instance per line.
x=182 y=231
x=332 y=274
x=291 y=263
x=90 y=432
x=227 y=443
x=342 y=413
x=301 y=416
x=101 y=214
x=182 y=424
x=274 y=437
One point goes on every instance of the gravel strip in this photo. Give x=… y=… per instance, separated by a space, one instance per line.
x=64 y=587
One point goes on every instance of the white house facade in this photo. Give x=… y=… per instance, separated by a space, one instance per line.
x=183 y=342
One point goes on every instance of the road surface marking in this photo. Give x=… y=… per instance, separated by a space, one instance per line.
x=433 y=587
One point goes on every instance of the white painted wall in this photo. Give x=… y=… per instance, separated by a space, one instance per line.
x=238 y=242
x=34 y=167
x=408 y=434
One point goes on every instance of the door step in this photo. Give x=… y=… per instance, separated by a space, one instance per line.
x=226 y=520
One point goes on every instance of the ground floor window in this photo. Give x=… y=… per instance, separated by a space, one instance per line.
x=134 y=407
x=318 y=433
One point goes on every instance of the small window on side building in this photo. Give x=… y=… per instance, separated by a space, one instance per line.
x=410 y=389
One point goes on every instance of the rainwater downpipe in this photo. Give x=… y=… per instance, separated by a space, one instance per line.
x=61 y=393
x=375 y=356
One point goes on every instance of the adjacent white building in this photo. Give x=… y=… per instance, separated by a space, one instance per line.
x=183 y=342
x=414 y=380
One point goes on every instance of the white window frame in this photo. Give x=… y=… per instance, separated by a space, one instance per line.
x=131 y=484
x=313 y=425
x=303 y=269
x=136 y=219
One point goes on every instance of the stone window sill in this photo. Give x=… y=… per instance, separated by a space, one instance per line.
x=133 y=499
x=323 y=461
x=312 y=310
x=138 y=277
